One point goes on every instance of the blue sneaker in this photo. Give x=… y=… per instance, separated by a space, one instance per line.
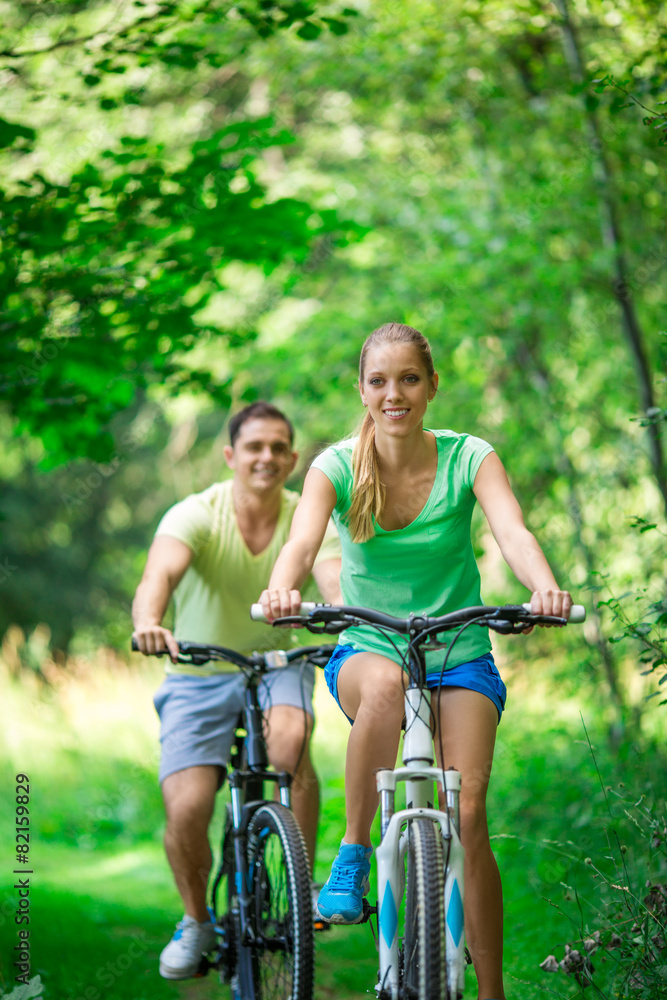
x=341 y=898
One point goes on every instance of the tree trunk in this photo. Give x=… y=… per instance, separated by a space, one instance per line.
x=613 y=239
x=536 y=372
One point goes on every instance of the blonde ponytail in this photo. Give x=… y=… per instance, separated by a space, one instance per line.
x=368 y=489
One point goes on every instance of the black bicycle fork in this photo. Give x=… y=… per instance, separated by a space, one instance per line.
x=246 y=787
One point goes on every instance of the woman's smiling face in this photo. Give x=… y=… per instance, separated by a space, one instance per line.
x=396 y=387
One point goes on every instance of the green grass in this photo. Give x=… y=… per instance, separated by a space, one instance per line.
x=102 y=899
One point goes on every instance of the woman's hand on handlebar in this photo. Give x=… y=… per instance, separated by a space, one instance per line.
x=153 y=639
x=279 y=602
x=556 y=603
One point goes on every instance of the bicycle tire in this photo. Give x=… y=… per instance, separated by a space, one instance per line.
x=283 y=954
x=423 y=956
x=225 y=907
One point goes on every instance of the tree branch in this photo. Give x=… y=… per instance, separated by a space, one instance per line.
x=164 y=10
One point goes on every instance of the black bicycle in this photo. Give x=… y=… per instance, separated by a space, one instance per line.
x=261 y=892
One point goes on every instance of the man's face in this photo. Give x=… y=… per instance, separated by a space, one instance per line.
x=262 y=457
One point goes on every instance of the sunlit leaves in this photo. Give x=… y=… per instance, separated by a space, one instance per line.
x=268 y=17
x=103 y=265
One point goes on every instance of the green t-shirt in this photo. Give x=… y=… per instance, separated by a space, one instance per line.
x=427 y=567
x=212 y=600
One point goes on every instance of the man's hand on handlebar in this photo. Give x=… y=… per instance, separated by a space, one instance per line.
x=153 y=639
x=279 y=602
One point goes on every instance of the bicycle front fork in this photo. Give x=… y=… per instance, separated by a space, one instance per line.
x=243 y=784
x=391 y=868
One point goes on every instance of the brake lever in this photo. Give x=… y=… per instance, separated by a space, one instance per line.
x=320 y=659
x=317 y=627
x=519 y=625
x=504 y=627
x=325 y=628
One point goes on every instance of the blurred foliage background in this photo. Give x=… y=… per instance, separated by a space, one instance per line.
x=204 y=203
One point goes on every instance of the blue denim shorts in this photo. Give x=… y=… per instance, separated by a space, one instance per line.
x=477 y=675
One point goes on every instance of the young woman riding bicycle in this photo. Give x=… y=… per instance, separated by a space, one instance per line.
x=402 y=498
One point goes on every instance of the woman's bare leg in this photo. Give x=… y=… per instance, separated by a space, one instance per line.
x=468 y=722
x=370 y=689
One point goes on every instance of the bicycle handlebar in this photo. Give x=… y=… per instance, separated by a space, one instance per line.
x=496 y=617
x=198 y=653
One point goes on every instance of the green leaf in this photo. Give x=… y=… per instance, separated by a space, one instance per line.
x=336 y=26
x=309 y=30
x=11 y=131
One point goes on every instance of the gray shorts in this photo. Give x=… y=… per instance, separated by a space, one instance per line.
x=198 y=715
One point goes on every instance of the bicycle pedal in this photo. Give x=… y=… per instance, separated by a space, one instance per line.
x=203 y=968
x=320 y=925
x=368 y=912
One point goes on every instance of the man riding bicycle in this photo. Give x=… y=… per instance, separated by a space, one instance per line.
x=213 y=552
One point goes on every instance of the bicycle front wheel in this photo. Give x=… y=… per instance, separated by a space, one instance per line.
x=424 y=976
x=283 y=959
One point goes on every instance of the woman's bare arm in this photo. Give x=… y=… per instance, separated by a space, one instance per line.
x=518 y=545
x=282 y=596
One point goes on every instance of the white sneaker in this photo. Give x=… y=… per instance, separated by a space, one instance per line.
x=182 y=956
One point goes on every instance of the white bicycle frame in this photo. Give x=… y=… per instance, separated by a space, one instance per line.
x=419 y=774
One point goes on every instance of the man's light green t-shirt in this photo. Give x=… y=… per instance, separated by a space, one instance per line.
x=427 y=567
x=212 y=600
